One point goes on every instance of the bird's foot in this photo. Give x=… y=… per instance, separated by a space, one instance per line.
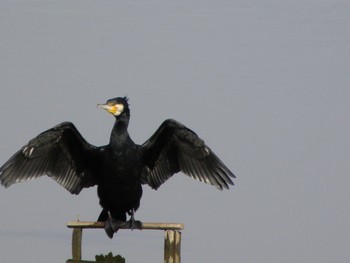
x=112 y=226
x=133 y=224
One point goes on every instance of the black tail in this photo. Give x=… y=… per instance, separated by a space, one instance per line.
x=103 y=216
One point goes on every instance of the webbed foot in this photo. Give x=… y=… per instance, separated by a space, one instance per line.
x=112 y=226
x=133 y=224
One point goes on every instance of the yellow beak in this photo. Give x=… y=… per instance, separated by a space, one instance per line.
x=115 y=109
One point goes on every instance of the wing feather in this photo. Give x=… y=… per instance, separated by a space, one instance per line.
x=61 y=153
x=173 y=148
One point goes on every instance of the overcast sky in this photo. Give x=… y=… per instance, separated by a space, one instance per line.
x=265 y=83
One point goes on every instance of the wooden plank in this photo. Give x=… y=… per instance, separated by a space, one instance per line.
x=76 y=243
x=169 y=246
x=177 y=248
x=79 y=261
x=145 y=226
x=172 y=246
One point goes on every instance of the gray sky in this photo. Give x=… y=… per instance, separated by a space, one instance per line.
x=264 y=83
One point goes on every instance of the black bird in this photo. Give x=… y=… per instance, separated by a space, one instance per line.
x=119 y=168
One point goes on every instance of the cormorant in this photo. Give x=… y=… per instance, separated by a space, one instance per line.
x=119 y=168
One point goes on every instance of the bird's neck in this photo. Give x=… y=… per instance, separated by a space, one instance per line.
x=120 y=135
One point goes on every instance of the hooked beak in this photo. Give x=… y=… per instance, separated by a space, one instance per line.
x=104 y=106
x=115 y=109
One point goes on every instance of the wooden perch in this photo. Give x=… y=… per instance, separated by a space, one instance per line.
x=152 y=226
x=172 y=238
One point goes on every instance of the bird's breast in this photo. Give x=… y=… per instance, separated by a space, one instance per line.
x=123 y=165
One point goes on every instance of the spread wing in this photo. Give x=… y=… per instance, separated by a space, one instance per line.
x=61 y=153
x=173 y=148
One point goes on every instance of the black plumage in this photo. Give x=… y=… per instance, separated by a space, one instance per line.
x=119 y=168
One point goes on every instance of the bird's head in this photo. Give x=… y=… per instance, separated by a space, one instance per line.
x=117 y=106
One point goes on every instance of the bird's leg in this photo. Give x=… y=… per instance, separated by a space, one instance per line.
x=113 y=225
x=132 y=223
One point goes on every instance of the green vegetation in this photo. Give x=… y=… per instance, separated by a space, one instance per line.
x=109 y=258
